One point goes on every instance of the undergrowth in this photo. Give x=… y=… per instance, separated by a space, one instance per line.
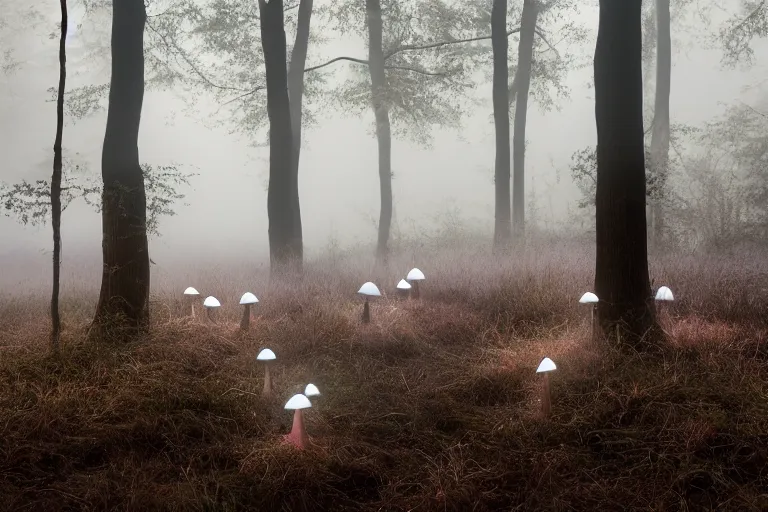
x=433 y=406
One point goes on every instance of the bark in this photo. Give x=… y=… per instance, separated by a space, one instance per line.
x=660 y=128
x=123 y=307
x=56 y=183
x=626 y=308
x=502 y=233
x=383 y=128
x=282 y=196
x=296 y=98
x=523 y=84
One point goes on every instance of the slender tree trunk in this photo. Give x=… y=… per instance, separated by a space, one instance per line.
x=660 y=128
x=123 y=308
x=502 y=233
x=296 y=99
x=282 y=196
x=383 y=129
x=626 y=309
x=56 y=183
x=523 y=84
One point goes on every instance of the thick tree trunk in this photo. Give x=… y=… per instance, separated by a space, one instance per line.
x=56 y=183
x=660 y=129
x=523 y=84
x=123 y=308
x=626 y=308
x=282 y=196
x=383 y=129
x=502 y=233
x=296 y=98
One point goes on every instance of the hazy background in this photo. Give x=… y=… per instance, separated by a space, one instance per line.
x=225 y=209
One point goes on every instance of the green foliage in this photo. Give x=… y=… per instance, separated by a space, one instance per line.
x=30 y=202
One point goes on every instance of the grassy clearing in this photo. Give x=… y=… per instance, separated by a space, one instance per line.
x=434 y=406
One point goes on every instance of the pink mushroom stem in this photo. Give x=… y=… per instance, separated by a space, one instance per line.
x=298 y=436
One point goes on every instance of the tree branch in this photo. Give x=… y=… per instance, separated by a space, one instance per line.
x=365 y=63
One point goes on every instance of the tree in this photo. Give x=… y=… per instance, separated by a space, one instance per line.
x=738 y=33
x=296 y=99
x=660 y=125
x=281 y=200
x=123 y=307
x=502 y=233
x=626 y=309
x=56 y=182
x=523 y=83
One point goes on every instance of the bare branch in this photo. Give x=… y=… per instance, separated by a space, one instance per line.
x=365 y=63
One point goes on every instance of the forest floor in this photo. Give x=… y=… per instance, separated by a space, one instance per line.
x=432 y=406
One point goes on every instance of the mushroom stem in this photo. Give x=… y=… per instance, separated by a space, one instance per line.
x=192 y=306
x=594 y=317
x=366 y=312
x=267 y=392
x=245 y=323
x=415 y=290
x=546 y=402
x=210 y=315
x=298 y=436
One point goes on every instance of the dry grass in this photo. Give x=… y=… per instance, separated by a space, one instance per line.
x=431 y=407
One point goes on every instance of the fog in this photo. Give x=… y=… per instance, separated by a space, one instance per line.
x=224 y=212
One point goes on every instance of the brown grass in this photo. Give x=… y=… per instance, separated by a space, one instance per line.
x=434 y=406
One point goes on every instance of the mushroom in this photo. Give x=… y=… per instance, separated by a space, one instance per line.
x=414 y=276
x=664 y=294
x=267 y=357
x=591 y=298
x=546 y=366
x=190 y=294
x=311 y=390
x=210 y=303
x=298 y=436
x=368 y=290
x=403 y=288
x=247 y=300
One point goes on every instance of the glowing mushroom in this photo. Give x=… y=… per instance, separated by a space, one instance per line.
x=403 y=288
x=664 y=294
x=311 y=390
x=267 y=357
x=368 y=290
x=210 y=303
x=247 y=300
x=298 y=436
x=546 y=366
x=414 y=276
x=190 y=295
x=591 y=298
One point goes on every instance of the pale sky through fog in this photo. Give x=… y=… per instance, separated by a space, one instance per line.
x=338 y=176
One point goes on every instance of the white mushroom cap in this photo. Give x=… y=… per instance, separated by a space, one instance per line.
x=266 y=355
x=191 y=291
x=415 y=275
x=369 y=289
x=248 y=298
x=298 y=402
x=311 y=390
x=403 y=285
x=664 y=293
x=211 y=302
x=546 y=365
x=589 y=298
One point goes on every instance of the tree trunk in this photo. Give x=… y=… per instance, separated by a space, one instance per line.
x=296 y=100
x=523 y=84
x=502 y=233
x=282 y=196
x=626 y=308
x=383 y=129
x=123 y=308
x=660 y=129
x=56 y=183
